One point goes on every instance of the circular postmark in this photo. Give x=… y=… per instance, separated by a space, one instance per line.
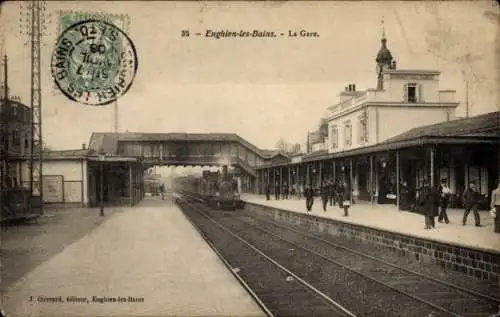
x=94 y=62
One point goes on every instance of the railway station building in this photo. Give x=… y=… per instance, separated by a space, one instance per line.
x=395 y=135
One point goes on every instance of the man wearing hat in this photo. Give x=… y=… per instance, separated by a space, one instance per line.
x=470 y=198
x=309 y=194
x=429 y=202
x=445 y=192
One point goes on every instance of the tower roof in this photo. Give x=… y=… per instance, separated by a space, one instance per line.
x=384 y=56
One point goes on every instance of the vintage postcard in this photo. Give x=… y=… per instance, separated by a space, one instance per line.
x=250 y=158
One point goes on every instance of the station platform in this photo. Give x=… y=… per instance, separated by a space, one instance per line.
x=143 y=261
x=389 y=218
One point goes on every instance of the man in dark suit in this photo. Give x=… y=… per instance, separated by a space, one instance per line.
x=285 y=191
x=429 y=202
x=268 y=191
x=309 y=194
x=444 y=192
x=323 y=192
x=331 y=192
x=340 y=192
x=162 y=191
x=345 y=199
x=470 y=199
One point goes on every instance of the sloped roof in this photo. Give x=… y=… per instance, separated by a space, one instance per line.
x=65 y=154
x=479 y=129
x=483 y=125
x=109 y=143
x=106 y=141
x=314 y=154
x=272 y=153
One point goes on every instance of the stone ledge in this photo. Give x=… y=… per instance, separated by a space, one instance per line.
x=477 y=263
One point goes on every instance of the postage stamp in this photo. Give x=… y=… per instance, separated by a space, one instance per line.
x=94 y=62
x=70 y=17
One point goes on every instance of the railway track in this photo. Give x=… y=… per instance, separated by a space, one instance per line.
x=361 y=294
x=278 y=291
x=441 y=295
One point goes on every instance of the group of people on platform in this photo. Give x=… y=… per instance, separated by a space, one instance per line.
x=329 y=191
x=432 y=201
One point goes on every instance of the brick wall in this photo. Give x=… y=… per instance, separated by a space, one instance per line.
x=473 y=262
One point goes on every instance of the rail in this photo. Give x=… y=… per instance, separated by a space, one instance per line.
x=221 y=228
x=441 y=296
x=446 y=286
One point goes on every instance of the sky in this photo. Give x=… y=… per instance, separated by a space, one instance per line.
x=260 y=89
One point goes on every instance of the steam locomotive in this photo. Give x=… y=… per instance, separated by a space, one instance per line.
x=216 y=190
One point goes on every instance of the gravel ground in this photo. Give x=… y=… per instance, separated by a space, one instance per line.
x=429 y=269
x=282 y=295
x=362 y=296
x=461 y=303
x=26 y=246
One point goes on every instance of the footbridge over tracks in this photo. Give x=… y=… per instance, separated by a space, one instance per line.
x=186 y=149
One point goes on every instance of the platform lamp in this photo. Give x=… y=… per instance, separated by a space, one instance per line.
x=102 y=156
x=383 y=162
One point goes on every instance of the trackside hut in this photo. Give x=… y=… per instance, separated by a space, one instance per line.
x=64 y=177
x=73 y=177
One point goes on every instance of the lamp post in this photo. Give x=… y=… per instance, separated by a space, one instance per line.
x=313 y=176
x=102 y=155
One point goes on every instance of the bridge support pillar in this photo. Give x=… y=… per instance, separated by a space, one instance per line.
x=258 y=179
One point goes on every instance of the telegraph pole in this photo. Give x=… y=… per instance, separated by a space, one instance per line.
x=36 y=161
x=34 y=18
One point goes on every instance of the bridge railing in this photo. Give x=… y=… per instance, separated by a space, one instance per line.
x=200 y=160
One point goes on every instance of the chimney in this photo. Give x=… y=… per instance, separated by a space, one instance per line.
x=224 y=172
x=346 y=89
x=393 y=64
x=350 y=87
x=353 y=87
x=83 y=146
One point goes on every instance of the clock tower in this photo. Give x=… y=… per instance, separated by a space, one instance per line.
x=384 y=60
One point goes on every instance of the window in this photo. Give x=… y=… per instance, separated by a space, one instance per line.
x=411 y=93
x=363 y=129
x=334 y=138
x=16 y=138
x=27 y=116
x=348 y=133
